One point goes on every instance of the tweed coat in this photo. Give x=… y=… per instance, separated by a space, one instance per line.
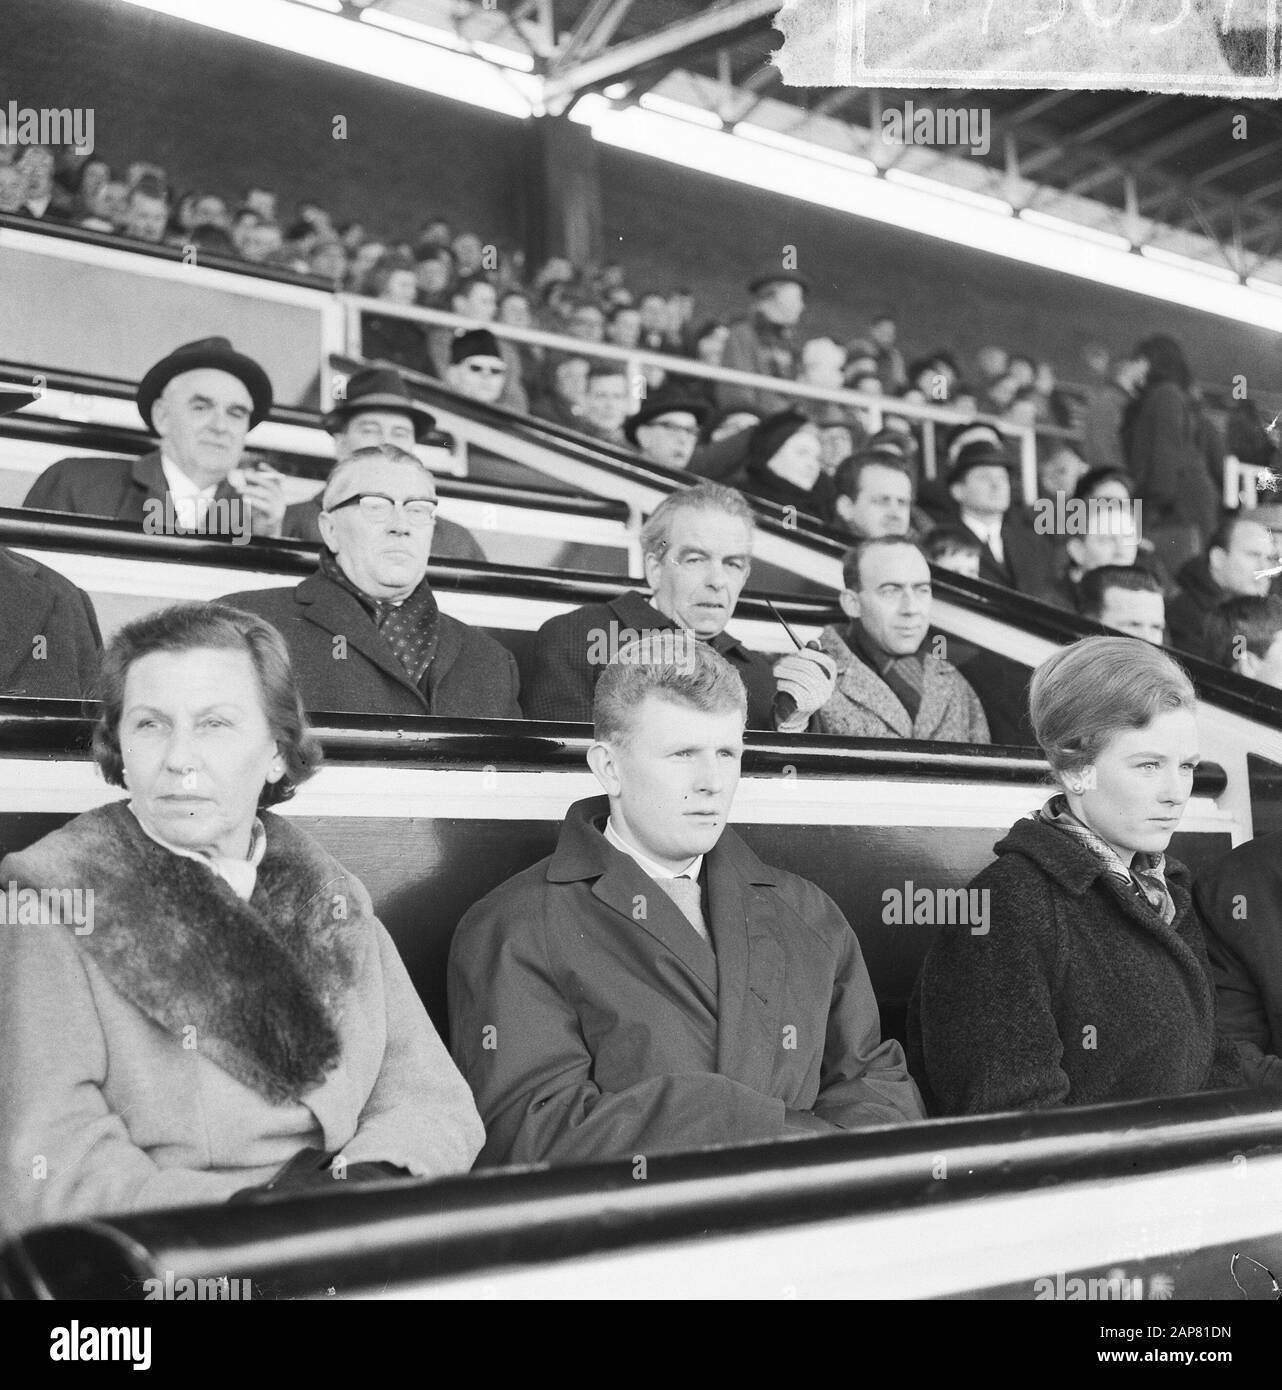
x=862 y=705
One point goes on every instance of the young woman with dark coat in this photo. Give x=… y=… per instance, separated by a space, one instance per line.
x=1087 y=979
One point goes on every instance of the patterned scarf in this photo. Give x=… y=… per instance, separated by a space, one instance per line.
x=905 y=675
x=411 y=627
x=1147 y=871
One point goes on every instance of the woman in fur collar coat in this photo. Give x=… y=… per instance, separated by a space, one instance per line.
x=1086 y=978
x=196 y=997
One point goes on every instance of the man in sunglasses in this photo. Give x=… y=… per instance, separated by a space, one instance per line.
x=364 y=632
x=477 y=369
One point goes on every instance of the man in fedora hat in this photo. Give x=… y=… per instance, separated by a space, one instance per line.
x=979 y=483
x=201 y=401
x=49 y=638
x=666 y=429
x=765 y=341
x=377 y=408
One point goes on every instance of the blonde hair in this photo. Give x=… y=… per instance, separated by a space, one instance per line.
x=1088 y=692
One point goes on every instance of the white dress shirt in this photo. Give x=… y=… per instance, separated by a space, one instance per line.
x=989 y=533
x=191 y=503
x=647 y=865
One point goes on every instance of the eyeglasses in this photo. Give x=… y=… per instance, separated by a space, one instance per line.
x=486 y=368
x=379 y=507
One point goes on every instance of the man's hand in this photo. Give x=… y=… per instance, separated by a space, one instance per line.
x=807 y=678
x=264 y=494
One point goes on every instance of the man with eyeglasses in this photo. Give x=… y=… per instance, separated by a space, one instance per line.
x=666 y=430
x=364 y=632
x=377 y=408
x=697 y=550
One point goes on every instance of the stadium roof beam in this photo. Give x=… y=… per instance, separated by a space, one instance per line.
x=594 y=30
x=736 y=20
x=1188 y=134
x=1089 y=133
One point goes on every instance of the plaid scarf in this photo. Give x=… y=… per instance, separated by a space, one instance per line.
x=1147 y=871
x=905 y=675
x=411 y=627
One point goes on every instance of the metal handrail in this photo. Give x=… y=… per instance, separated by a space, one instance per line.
x=636 y=359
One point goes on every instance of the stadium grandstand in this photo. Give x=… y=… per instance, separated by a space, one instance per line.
x=464 y=466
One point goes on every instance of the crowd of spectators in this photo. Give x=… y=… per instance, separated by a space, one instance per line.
x=1137 y=434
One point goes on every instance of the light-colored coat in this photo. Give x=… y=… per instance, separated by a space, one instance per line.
x=862 y=705
x=191 y=1043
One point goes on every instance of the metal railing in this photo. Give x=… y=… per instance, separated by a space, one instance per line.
x=636 y=360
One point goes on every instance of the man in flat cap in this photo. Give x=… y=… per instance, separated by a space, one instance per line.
x=666 y=429
x=765 y=342
x=201 y=401
x=377 y=408
x=49 y=637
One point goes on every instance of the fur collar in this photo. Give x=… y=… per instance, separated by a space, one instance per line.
x=261 y=982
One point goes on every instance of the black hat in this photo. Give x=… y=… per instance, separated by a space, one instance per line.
x=772 y=277
x=771 y=435
x=978 y=453
x=655 y=406
x=379 y=388
x=15 y=398
x=474 y=342
x=207 y=352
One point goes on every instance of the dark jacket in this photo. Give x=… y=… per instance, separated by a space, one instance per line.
x=593 y=1022
x=38 y=603
x=386 y=338
x=1077 y=994
x=471 y=675
x=1028 y=558
x=1189 y=614
x=757 y=345
x=119 y=488
x=1166 y=451
x=558 y=679
x=450 y=541
x=1239 y=904
x=819 y=502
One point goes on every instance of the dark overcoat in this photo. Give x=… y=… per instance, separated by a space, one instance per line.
x=559 y=680
x=471 y=675
x=1078 y=992
x=592 y=1021
x=37 y=602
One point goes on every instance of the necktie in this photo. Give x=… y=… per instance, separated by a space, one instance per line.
x=687 y=896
